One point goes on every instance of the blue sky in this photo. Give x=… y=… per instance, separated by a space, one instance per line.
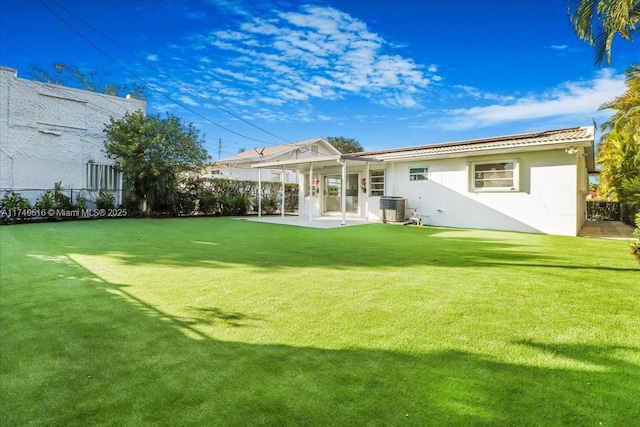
x=387 y=73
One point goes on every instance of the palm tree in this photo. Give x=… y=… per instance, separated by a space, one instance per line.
x=628 y=104
x=598 y=21
x=619 y=149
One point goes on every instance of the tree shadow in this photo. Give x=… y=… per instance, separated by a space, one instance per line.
x=216 y=316
x=77 y=350
x=220 y=243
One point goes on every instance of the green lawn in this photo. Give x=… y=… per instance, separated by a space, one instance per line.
x=215 y=321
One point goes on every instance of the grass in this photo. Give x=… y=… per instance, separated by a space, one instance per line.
x=214 y=321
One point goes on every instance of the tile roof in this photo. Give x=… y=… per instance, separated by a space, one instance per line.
x=576 y=135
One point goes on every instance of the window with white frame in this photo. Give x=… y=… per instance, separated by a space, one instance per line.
x=311 y=185
x=495 y=176
x=419 y=174
x=376 y=183
x=277 y=176
x=103 y=177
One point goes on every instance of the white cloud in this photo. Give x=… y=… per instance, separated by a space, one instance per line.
x=152 y=57
x=188 y=101
x=572 y=99
x=478 y=94
x=312 y=52
x=559 y=46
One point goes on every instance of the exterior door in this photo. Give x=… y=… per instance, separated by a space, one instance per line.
x=333 y=193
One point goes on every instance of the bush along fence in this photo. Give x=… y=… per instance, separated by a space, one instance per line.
x=220 y=196
x=194 y=197
x=600 y=210
x=603 y=210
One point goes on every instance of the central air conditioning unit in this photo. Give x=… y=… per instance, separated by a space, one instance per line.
x=393 y=209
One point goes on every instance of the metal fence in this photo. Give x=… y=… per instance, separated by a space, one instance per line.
x=603 y=211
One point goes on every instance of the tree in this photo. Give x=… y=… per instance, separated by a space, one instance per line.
x=598 y=21
x=345 y=145
x=619 y=149
x=72 y=76
x=153 y=152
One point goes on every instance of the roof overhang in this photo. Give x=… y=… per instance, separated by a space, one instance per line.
x=318 y=162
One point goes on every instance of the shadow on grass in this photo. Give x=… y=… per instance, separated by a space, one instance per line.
x=219 y=243
x=215 y=316
x=89 y=354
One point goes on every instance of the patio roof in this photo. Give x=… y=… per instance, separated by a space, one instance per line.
x=318 y=162
x=262 y=154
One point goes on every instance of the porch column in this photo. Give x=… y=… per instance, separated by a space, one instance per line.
x=300 y=181
x=312 y=186
x=366 y=194
x=259 y=192
x=283 y=194
x=343 y=193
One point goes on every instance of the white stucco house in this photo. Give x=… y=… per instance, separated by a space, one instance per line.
x=51 y=133
x=532 y=182
x=240 y=166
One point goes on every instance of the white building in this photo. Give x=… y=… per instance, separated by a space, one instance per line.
x=533 y=182
x=240 y=166
x=51 y=133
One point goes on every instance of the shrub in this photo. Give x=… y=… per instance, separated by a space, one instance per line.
x=270 y=203
x=208 y=203
x=132 y=206
x=46 y=201
x=54 y=199
x=10 y=203
x=14 y=200
x=635 y=246
x=240 y=205
x=81 y=202
x=105 y=200
x=184 y=203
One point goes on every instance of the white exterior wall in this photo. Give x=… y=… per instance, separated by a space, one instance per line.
x=244 y=172
x=48 y=133
x=545 y=203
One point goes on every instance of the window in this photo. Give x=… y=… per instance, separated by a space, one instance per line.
x=334 y=186
x=376 y=183
x=418 y=174
x=310 y=186
x=495 y=176
x=314 y=150
x=103 y=177
x=277 y=176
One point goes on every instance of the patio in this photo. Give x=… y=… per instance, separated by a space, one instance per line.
x=315 y=222
x=606 y=230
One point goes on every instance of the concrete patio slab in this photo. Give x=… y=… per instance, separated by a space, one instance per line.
x=606 y=230
x=317 y=222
